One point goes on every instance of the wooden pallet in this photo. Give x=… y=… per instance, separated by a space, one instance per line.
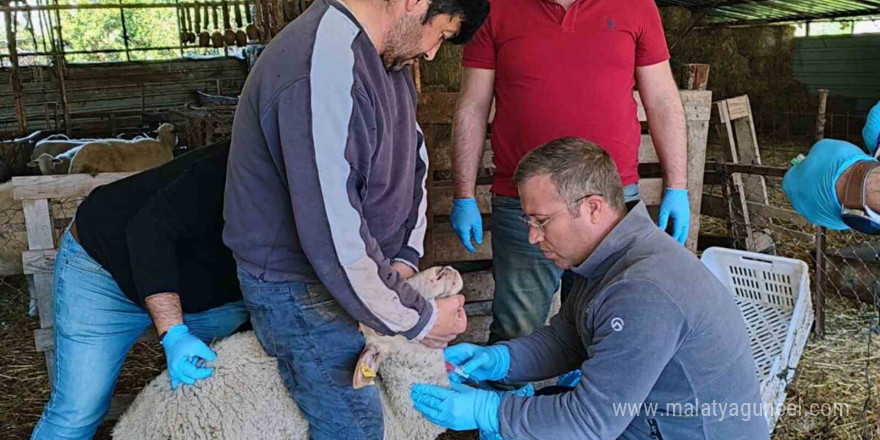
x=735 y=124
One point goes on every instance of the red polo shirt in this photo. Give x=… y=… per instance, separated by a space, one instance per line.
x=566 y=73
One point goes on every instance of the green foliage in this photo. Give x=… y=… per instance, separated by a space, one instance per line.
x=101 y=29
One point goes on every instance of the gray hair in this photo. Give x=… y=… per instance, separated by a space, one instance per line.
x=576 y=167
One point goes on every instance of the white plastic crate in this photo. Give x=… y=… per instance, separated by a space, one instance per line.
x=774 y=296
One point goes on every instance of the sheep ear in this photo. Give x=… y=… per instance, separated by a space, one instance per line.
x=367 y=367
x=32 y=164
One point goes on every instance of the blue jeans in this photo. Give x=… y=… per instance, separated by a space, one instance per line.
x=317 y=344
x=95 y=327
x=525 y=281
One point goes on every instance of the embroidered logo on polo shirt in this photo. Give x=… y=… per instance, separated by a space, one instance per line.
x=610 y=24
x=617 y=324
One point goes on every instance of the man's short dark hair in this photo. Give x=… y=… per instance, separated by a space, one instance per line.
x=472 y=12
x=576 y=167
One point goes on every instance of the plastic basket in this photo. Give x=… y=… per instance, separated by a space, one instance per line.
x=773 y=294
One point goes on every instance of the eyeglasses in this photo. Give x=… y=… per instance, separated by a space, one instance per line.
x=527 y=219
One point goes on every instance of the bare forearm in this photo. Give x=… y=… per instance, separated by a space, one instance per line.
x=469 y=140
x=165 y=310
x=469 y=128
x=666 y=121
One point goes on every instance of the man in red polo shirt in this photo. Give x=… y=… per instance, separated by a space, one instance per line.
x=560 y=68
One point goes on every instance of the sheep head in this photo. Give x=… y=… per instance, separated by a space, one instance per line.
x=166 y=135
x=47 y=164
x=436 y=282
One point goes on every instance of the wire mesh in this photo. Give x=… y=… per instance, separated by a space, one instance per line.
x=749 y=211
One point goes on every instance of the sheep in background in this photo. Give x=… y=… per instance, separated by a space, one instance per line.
x=246 y=399
x=56 y=144
x=116 y=155
x=59 y=164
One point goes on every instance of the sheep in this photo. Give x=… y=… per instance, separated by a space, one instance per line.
x=246 y=399
x=55 y=145
x=49 y=165
x=59 y=164
x=116 y=155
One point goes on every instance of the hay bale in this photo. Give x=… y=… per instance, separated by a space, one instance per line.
x=758 y=41
x=443 y=73
x=676 y=20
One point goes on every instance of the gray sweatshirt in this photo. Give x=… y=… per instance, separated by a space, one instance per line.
x=326 y=174
x=662 y=347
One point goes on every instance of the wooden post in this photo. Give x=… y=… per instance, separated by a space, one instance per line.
x=59 y=60
x=417 y=76
x=819 y=296
x=695 y=77
x=14 y=79
x=820 y=117
x=819 y=299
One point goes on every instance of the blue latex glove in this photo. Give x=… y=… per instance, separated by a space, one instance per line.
x=810 y=185
x=460 y=408
x=479 y=363
x=871 y=132
x=467 y=222
x=182 y=353
x=675 y=204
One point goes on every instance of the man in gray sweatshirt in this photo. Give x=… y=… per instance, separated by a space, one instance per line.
x=325 y=197
x=661 y=345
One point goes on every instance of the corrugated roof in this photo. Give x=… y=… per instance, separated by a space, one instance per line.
x=727 y=12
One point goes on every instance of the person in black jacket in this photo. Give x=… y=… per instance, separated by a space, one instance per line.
x=145 y=249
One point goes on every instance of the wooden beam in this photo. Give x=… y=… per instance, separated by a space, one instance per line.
x=477 y=330
x=651 y=191
x=717 y=206
x=38 y=261
x=447 y=248
x=695 y=77
x=820 y=116
x=77 y=6
x=478 y=286
x=18 y=95
x=439 y=107
x=61 y=186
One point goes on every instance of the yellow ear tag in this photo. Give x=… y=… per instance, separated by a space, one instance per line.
x=368 y=373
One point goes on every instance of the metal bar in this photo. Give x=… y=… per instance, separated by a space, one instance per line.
x=124 y=32
x=794 y=18
x=723 y=4
x=732 y=167
x=819 y=300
